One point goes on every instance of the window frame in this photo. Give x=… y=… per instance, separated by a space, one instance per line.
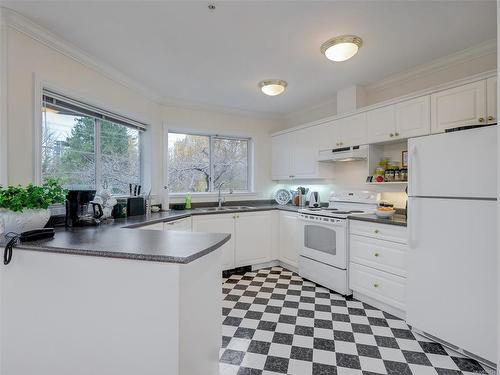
x=107 y=115
x=212 y=136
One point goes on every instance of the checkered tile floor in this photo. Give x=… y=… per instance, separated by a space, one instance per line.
x=274 y=322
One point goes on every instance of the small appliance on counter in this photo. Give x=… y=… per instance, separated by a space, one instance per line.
x=314 y=200
x=81 y=210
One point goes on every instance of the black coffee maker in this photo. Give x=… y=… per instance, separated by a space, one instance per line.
x=81 y=210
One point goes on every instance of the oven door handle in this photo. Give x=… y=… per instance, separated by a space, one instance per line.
x=341 y=223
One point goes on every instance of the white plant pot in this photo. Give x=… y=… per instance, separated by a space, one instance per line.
x=19 y=222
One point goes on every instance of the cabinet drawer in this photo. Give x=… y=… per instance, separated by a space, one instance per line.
x=180 y=225
x=386 y=232
x=382 y=255
x=379 y=285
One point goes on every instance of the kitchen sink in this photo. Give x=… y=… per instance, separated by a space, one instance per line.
x=226 y=208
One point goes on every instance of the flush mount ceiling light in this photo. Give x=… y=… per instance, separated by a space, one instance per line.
x=342 y=47
x=272 y=87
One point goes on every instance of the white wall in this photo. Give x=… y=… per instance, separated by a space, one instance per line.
x=30 y=63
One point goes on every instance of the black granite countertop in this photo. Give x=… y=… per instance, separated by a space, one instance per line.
x=121 y=239
x=394 y=220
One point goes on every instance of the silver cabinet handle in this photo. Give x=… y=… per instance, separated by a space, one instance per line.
x=490 y=118
x=481 y=119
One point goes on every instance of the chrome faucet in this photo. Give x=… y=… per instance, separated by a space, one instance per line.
x=220 y=198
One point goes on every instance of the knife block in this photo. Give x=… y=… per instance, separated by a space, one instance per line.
x=135 y=206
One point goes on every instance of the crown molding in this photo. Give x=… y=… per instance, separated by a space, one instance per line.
x=24 y=25
x=485 y=48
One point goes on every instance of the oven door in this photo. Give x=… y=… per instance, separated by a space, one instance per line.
x=324 y=240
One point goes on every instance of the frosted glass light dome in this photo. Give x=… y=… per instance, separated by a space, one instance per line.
x=272 y=87
x=341 y=48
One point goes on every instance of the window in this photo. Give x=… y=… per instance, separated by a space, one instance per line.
x=86 y=148
x=201 y=163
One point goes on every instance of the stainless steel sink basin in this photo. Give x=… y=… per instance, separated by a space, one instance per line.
x=226 y=208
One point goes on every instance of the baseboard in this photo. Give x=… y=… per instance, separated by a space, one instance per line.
x=288 y=266
x=380 y=305
x=272 y=263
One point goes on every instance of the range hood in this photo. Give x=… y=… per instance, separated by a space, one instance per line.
x=344 y=154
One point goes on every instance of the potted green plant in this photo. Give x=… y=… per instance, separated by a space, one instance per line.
x=25 y=208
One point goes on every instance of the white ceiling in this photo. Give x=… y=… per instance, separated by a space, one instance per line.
x=186 y=53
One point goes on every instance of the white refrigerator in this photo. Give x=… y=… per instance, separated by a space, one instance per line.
x=452 y=222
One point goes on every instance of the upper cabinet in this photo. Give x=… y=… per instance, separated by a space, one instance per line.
x=381 y=124
x=407 y=119
x=349 y=131
x=491 y=100
x=460 y=106
x=413 y=117
x=295 y=156
x=304 y=154
x=281 y=156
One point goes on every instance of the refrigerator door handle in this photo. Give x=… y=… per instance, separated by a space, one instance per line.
x=412 y=224
x=412 y=168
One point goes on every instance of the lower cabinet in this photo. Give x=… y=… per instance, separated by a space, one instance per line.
x=219 y=223
x=377 y=265
x=251 y=236
x=289 y=238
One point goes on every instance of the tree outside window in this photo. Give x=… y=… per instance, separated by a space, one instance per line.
x=85 y=152
x=201 y=163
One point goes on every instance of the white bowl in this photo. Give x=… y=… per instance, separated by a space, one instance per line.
x=384 y=214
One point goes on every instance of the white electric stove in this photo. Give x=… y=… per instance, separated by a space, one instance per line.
x=323 y=249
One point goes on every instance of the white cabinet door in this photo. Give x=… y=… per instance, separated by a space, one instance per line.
x=219 y=223
x=413 y=117
x=336 y=133
x=289 y=238
x=179 y=225
x=304 y=150
x=353 y=130
x=491 y=97
x=459 y=106
x=325 y=136
x=281 y=156
x=381 y=124
x=252 y=233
